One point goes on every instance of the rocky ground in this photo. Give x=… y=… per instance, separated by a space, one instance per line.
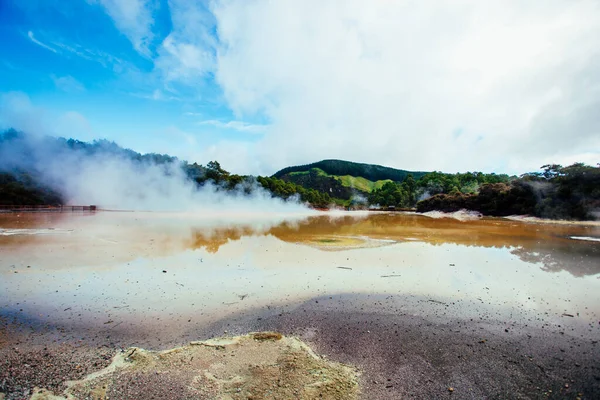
x=420 y=352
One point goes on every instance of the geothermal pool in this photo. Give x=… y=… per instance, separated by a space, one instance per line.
x=163 y=273
x=487 y=307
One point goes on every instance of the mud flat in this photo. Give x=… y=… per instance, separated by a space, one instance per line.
x=428 y=348
x=401 y=346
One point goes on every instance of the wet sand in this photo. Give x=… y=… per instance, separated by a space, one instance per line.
x=416 y=348
x=490 y=308
x=403 y=347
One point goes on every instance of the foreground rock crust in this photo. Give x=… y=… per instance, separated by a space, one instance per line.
x=263 y=365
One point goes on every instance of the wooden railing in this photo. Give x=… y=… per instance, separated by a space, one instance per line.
x=46 y=208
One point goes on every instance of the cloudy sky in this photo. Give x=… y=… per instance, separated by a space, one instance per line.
x=502 y=86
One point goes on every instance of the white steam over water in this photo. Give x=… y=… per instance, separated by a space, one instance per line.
x=111 y=179
x=124 y=184
x=462 y=215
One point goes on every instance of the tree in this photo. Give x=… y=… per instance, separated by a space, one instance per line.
x=551 y=171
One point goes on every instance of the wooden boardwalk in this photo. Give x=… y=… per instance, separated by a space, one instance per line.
x=46 y=208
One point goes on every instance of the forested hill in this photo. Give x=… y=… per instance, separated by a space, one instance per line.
x=371 y=172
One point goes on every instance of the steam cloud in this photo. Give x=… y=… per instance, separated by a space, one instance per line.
x=109 y=177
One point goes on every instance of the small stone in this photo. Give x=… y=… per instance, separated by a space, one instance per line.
x=451 y=389
x=566 y=385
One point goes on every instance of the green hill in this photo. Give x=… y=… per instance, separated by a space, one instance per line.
x=349 y=176
x=370 y=172
x=362 y=184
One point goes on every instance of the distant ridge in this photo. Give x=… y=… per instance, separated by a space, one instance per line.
x=371 y=172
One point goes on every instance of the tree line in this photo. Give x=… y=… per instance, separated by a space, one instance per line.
x=215 y=174
x=557 y=192
x=571 y=192
x=408 y=193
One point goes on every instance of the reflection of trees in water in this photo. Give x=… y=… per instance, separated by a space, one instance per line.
x=548 y=245
x=212 y=239
x=578 y=259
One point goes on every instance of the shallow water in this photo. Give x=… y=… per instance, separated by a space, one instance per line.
x=171 y=271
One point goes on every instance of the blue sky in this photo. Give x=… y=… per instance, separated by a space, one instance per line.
x=497 y=86
x=70 y=57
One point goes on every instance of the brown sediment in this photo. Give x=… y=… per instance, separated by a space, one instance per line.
x=267 y=336
x=255 y=366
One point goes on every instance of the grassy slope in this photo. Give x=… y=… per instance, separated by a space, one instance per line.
x=356 y=182
x=360 y=183
x=320 y=172
x=372 y=172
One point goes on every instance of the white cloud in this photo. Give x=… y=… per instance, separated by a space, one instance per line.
x=501 y=85
x=67 y=84
x=18 y=112
x=34 y=40
x=157 y=95
x=134 y=19
x=235 y=125
x=391 y=82
x=101 y=57
x=74 y=125
x=187 y=53
x=235 y=156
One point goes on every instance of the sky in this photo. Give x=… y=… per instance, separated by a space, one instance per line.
x=493 y=86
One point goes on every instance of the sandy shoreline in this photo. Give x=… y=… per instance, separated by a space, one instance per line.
x=525 y=218
x=403 y=351
x=467 y=215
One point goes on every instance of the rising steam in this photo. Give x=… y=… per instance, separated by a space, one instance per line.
x=114 y=178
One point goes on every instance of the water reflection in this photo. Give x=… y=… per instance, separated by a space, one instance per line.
x=174 y=268
x=549 y=245
x=122 y=237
